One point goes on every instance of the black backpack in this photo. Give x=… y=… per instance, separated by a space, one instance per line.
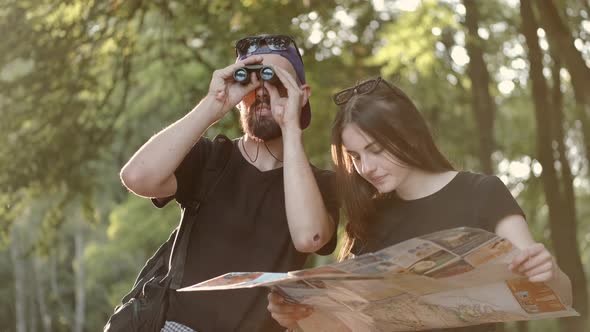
x=144 y=307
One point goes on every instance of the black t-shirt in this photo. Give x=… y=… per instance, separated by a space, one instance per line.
x=469 y=199
x=241 y=227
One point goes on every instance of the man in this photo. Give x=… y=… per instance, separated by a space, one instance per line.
x=269 y=209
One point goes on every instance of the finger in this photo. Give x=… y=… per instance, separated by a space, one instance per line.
x=273 y=92
x=275 y=298
x=293 y=89
x=286 y=78
x=295 y=316
x=543 y=268
x=228 y=71
x=288 y=323
x=535 y=261
x=519 y=259
x=255 y=59
x=276 y=104
x=536 y=249
x=286 y=308
x=543 y=277
x=252 y=85
x=525 y=254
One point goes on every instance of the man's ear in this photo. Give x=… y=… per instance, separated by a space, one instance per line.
x=306 y=93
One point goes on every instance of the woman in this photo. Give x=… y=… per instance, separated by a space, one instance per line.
x=397 y=185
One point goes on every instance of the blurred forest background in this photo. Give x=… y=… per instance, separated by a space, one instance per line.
x=504 y=84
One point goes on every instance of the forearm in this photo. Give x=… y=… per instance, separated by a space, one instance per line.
x=310 y=224
x=155 y=162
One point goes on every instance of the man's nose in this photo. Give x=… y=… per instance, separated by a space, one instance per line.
x=261 y=92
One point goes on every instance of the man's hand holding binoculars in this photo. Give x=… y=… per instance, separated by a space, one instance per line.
x=286 y=110
x=226 y=90
x=231 y=84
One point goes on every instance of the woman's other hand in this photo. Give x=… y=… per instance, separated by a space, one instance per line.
x=536 y=263
x=287 y=314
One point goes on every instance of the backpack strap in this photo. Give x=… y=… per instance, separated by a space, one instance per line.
x=214 y=169
x=158 y=261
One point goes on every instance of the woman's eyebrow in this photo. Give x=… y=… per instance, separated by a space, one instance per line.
x=368 y=146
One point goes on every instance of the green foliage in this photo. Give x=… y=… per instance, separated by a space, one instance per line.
x=417 y=50
x=135 y=230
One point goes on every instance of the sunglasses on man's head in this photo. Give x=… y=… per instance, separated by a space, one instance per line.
x=249 y=45
x=362 y=88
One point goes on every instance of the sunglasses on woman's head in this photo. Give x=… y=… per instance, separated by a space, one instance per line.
x=249 y=45
x=362 y=88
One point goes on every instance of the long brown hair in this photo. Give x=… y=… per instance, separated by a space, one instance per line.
x=388 y=116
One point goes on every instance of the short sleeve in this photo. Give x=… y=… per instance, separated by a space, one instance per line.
x=495 y=203
x=327 y=185
x=188 y=174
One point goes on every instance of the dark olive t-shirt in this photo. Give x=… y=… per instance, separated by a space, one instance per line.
x=241 y=227
x=469 y=199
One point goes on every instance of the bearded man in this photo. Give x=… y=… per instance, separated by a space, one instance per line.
x=271 y=207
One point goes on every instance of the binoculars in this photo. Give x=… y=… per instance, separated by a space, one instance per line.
x=266 y=73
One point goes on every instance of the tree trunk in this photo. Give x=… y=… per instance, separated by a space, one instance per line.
x=558 y=119
x=32 y=307
x=561 y=39
x=563 y=228
x=483 y=104
x=40 y=282
x=79 y=275
x=559 y=33
x=522 y=326
x=19 y=263
x=55 y=288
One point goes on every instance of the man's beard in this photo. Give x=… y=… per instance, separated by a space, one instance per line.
x=260 y=127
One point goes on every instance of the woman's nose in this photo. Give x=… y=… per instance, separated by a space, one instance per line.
x=367 y=166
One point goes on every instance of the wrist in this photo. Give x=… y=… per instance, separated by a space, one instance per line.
x=557 y=273
x=292 y=138
x=292 y=131
x=211 y=109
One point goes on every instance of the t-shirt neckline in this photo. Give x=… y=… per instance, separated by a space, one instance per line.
x=243 y=160
x=434 y=194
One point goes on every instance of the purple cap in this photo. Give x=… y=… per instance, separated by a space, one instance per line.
x=292 y=55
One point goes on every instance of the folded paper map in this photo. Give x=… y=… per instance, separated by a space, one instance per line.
x=456 y=277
